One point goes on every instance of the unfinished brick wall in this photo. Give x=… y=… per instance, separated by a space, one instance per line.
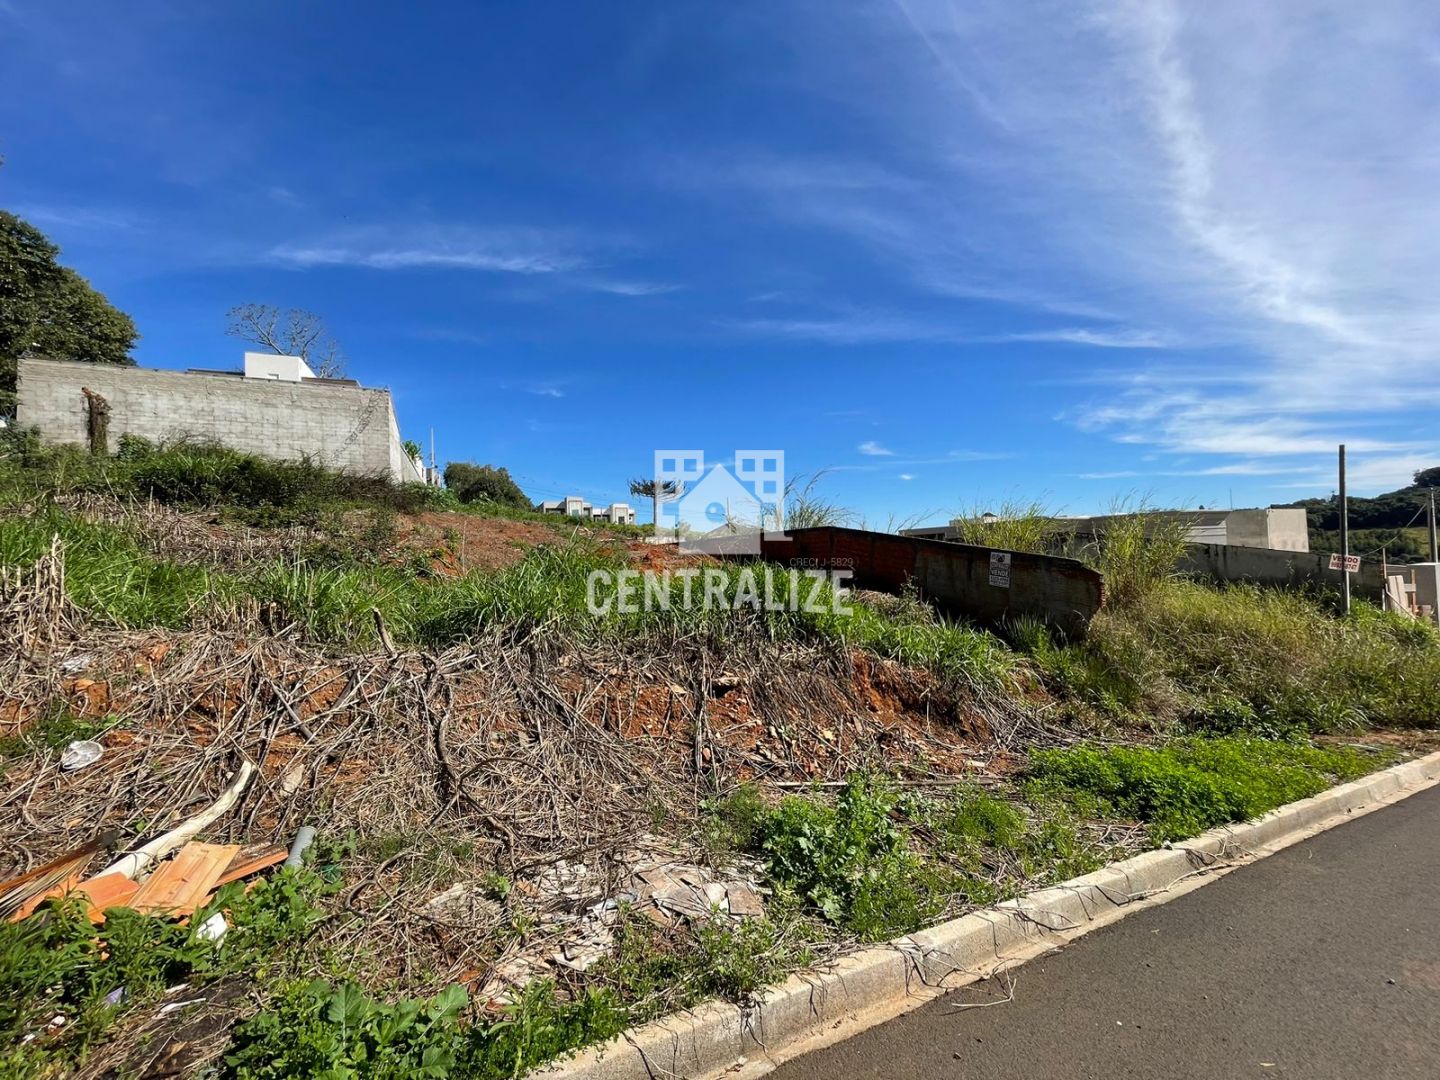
x=342 y=427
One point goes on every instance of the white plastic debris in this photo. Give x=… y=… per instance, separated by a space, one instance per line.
x=214 y=928
x=80 y=753
x=73 y=665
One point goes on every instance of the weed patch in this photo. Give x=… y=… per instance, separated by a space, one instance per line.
x=58 y=964
x=1190 y=785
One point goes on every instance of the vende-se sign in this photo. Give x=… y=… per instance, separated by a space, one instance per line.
x=1350 y=563
x=1000 y=569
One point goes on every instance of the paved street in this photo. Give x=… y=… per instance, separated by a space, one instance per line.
x=1320 y=962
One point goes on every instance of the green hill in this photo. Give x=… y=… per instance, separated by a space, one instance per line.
x=1394 y=520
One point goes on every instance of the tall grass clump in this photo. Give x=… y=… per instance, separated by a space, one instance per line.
x=195 y=473
x=807 y=508
x=1243 y=659
x=107 y=572
x=1138 y=550
x=1012 y=525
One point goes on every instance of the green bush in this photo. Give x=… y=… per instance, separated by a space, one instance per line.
x=315 y=1030
x=484 y=483
x=1193 y=784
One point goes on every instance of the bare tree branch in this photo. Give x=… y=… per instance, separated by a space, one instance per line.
x=292 y=332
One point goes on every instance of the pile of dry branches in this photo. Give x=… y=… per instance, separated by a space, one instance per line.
x=494 y=757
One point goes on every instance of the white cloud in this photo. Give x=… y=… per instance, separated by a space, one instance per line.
x=77 y=217
x=503 y=251
x=871 y=328
x=873 y=449
x=629 y=288
x=1259 y=180
x=907 y=476
x=1106 y=339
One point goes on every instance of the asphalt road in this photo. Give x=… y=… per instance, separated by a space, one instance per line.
x=1320 y=962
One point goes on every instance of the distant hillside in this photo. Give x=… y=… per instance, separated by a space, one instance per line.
x=1394 y=520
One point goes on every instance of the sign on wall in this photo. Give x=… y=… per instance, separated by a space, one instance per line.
x=1350 y=563
x=1000 y=569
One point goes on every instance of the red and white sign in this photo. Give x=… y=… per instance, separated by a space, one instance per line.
x=1349 y=563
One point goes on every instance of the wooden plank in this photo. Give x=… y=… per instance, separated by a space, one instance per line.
x=28 y=908
x=245 y=865
x=107 y=891
x=178 y=886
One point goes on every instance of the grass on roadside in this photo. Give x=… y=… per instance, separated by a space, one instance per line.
x=1189 y=785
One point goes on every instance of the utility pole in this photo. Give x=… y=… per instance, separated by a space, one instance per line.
x=1434 y=546
x=1344 y=535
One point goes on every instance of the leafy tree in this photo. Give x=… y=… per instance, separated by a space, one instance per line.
x=49 y=310
x=477 y=483
x=288 y=332
x=1428 y=478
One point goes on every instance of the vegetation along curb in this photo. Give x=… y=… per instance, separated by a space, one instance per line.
x=815 y=1008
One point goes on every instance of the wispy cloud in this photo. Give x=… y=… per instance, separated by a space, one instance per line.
x=907 y=476
x=1235 y=174
x=628 y=288
x=550 y=388
x=952 y=457
x=495 y=251
x=870 y=328
x=871 y=448
x=1105 y=339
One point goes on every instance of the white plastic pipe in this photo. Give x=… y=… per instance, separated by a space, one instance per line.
x=143 y=858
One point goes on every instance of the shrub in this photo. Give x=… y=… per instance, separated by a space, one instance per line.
x=851 y=862
x=482 y=483
x=58 y=964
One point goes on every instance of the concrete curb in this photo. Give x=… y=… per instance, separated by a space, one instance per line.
x=812 y=1009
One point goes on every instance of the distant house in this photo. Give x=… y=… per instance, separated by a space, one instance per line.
x=274 y=406
x=577 y=507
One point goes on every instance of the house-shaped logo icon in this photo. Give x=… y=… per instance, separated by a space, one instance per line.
x=740 y=506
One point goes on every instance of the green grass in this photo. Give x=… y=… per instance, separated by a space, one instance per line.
x=1189 y=785
x=1245 y=659
x=875 y=863
x=330 y=600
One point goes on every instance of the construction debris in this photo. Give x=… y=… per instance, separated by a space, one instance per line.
x=21 y=895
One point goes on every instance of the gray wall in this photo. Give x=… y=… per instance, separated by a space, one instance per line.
x=1284 y=569
x=342 y=427
x=1279 y=528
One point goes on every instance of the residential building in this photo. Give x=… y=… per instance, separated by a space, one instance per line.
x=274 y=406
x=576 y=506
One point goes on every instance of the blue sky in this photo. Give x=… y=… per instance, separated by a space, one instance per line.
x=954 y=252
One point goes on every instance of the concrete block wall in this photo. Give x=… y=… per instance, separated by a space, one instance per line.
x=1282 y=569
x=341 y=427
